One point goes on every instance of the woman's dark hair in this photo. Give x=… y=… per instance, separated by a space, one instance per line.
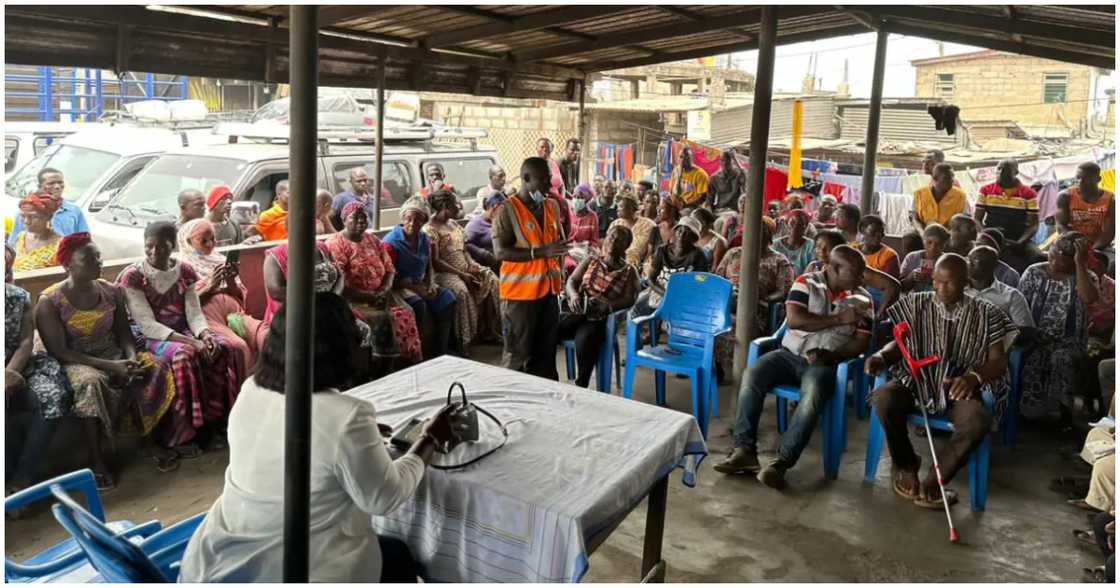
x=442 y=199
x=936 y=230
x=162 y=230
x=851 y=211
x=911 y=241
x=871 y=219
x=335 y=337
x=705 y=216
x=624 y=234
x=833 y=237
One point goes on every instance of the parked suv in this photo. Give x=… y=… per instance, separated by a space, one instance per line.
x=252 y=171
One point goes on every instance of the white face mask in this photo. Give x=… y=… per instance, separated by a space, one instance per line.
x=579 y=204
x=537 y=196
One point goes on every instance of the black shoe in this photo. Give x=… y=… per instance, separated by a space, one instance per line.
x=740 y=461
x=774 y=474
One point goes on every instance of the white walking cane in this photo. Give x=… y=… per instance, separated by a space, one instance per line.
x=901 y=332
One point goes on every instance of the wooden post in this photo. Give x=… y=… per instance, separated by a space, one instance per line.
x=871 y=146
x=380 y=146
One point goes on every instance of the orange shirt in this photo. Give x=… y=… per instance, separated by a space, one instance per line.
x=1086 y=218
x=273 y=224
x=884 y=260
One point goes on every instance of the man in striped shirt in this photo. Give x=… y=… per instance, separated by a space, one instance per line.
x=829 y=321
x=1011 y=206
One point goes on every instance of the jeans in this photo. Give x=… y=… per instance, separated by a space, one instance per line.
x=27 y=438
x=783 y=368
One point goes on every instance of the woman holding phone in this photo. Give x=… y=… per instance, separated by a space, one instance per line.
x=219 y=290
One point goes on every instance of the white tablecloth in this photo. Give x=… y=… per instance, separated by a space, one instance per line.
x=577 y=461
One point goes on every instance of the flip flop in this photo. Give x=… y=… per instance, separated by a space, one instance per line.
x=936 y=503
x=188 y=451
x=911 y=495
x=1093 y=575
x=1085 y=537
x=166 y=464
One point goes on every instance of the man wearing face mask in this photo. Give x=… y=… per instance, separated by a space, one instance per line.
x=585 y=227
x=530 y=242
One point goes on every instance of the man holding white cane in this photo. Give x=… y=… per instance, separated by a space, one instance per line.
x=971 y=337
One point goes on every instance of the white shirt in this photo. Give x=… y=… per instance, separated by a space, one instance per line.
x=1007 y=299
x=352 y=477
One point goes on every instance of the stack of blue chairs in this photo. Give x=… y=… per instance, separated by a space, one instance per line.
x=696 y=308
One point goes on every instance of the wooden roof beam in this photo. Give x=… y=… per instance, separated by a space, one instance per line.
x=861 y=17
x=1095 y=59
x=994 y=24
x=545 y=19
x=747 y=17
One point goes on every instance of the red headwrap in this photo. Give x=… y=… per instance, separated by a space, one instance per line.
x=798 y=212
x=216 y=195
x=69 y=245
x=39 y=202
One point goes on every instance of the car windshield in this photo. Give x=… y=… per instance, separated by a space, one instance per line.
x=155 y=190
x=80 y=166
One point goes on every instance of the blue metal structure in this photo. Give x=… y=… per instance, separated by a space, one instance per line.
x=87 y=94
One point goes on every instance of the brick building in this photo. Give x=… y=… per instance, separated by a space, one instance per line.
x=990 y=85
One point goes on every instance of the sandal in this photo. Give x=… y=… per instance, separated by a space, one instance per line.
x=912 y=494
x=936 y=504
x=1085 y=537
x=188 y=450
x=1093 y=575
x=167 y=463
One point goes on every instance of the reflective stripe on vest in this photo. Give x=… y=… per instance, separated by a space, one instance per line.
x=537 y=278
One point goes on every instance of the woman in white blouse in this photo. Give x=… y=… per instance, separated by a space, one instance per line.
x=352 y=474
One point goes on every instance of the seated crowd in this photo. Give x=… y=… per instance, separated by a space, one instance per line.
x=167 y=350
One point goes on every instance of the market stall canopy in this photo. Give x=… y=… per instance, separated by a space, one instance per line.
x=539 y=51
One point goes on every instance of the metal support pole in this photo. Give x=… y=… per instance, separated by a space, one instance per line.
x=756 y=177
x=380 y=146
x=871 y=146
x=303 y=60
x=584 y=144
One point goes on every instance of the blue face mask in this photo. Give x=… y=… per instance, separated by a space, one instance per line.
x=537 y=196
x=579 y=204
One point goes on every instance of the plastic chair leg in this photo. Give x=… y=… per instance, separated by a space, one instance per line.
x=838 y=429
x=603 y=369
x=659 y=383
x=700 y=402
x=829 y=440
x=570 y=361
x=713 y=394
x=783 y=410
x=617 y=366
x=875 y=439
x=978 y=464
x=628 y=387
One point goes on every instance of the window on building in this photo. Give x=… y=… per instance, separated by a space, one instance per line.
x=945 y=85
x=1055 y=87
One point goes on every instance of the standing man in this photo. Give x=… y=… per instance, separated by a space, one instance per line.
x=556 y=183
x=939 y=201
x=727 y=184
x=359 y=192
x=67 y=219
x=220 y=202
x=689 y=183
x=931 y=159
x=604 y=207
x=1011 y=206
x=824 y=329
x=273 y=223
x=497 y=184
x=437 y=180
x=192 y=205
x=569 y=165
x=973 y=353
x=530 y=244
x=1088 y=209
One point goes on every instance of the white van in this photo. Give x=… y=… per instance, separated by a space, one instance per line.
x=24 y=140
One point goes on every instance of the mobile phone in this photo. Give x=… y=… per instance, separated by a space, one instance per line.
x=409 y=434
x=233 y=256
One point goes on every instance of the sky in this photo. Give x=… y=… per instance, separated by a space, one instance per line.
x=792 y=63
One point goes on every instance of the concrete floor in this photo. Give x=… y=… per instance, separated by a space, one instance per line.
x=733 y=529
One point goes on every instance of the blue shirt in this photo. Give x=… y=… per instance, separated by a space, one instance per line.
x=66 y=221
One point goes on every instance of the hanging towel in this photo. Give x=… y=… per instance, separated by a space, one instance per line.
x=888 y=184
x=1108 y=180
x=795 y=148
x=895 y=210
x=914 y=182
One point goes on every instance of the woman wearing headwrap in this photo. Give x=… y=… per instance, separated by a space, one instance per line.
x=34 y=385
x=775 y=278
x=411 y=252
x=585 y=228
x=37 y=244
x=369 y=272
x=161 y=297
x=220 y=291
x=83 y=322
x=475 y=286
x=1058 y=293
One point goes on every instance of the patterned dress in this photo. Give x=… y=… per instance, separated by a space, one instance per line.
x=366 y=266
x=42 y=373
x=1050 y=371
x=92 y=332
x=38 y=258
x=775 y=275
x=206 y=390
x=477 y=311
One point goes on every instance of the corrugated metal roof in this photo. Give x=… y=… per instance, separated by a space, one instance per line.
x=543 y=46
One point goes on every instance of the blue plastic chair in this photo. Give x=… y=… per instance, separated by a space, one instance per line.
x=978 y=463
x=833 y=429
x=65 y=561
x=1010 y=424
x=607 y=355
x=695 y=306
x=156 y=559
